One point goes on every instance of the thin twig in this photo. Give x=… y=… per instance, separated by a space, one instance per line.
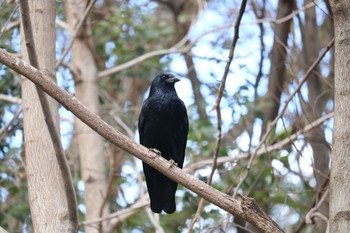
x=2 y=230
x=62 y=24
x=51 y=126
x=154 y=218
x=313 y=212
x=218 y=109
x=76 y=32
x=6 y=25
x=173 y=49
x=324 y=186
x=120 y=215
x=105 y=199
x=11 y=99
x=287 y=17
x=4 y=129
x=262 y=46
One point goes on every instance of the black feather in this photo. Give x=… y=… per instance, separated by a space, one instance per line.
x=163 y=125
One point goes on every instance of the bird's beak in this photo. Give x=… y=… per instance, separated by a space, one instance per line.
x=173 y=79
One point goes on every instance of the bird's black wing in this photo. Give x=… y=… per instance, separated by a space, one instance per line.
x=141 y=123
x=180 y=133
x=177 y=153
x=148 y=139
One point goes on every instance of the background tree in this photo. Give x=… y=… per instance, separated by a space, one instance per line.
x=47 y=176
x=276 y=108
x=90 y=144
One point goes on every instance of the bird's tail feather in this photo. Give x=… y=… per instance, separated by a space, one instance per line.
x=168 y=194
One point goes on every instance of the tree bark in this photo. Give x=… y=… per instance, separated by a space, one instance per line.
x=340 y=167
x=90 y=144
x=48 y=201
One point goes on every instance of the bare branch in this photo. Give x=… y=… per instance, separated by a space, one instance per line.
x=2 y=230
x=11 y=99
x=62 y=24
x=174 y=49
x=7 y=25
x=313 y=212
x=76 y=32
x=288 y=17
x=4 y=129
x=246 y=209
x=120 y=215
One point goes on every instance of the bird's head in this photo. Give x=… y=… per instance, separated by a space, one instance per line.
x=164 y=81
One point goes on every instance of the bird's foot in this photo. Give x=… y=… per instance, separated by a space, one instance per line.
x=154 y=150
x=173 y=163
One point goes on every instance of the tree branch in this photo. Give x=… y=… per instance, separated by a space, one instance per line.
x=4 y=129
x=76 y=32
x=246 y=209
x=2 y=230
x=313 y=212
x=175 y=48
x=7 y=25
x=121 y=215
x=287 y=17
x=11 y=99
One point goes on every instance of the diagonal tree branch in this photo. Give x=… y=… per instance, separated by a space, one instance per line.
x=121 y=215
x=76 y=32
x=4 y=129
x=7 y=25
x=247 y=209
x=2 y=230
x=173 y=49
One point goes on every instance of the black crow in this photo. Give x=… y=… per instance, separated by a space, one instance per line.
x=163 y=125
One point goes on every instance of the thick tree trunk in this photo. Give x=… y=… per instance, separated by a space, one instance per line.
x=92 y=159
x=340 y=182
x=47 y=198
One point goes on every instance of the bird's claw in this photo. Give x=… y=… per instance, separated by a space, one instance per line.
x=173 y=163
x=154 y=150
